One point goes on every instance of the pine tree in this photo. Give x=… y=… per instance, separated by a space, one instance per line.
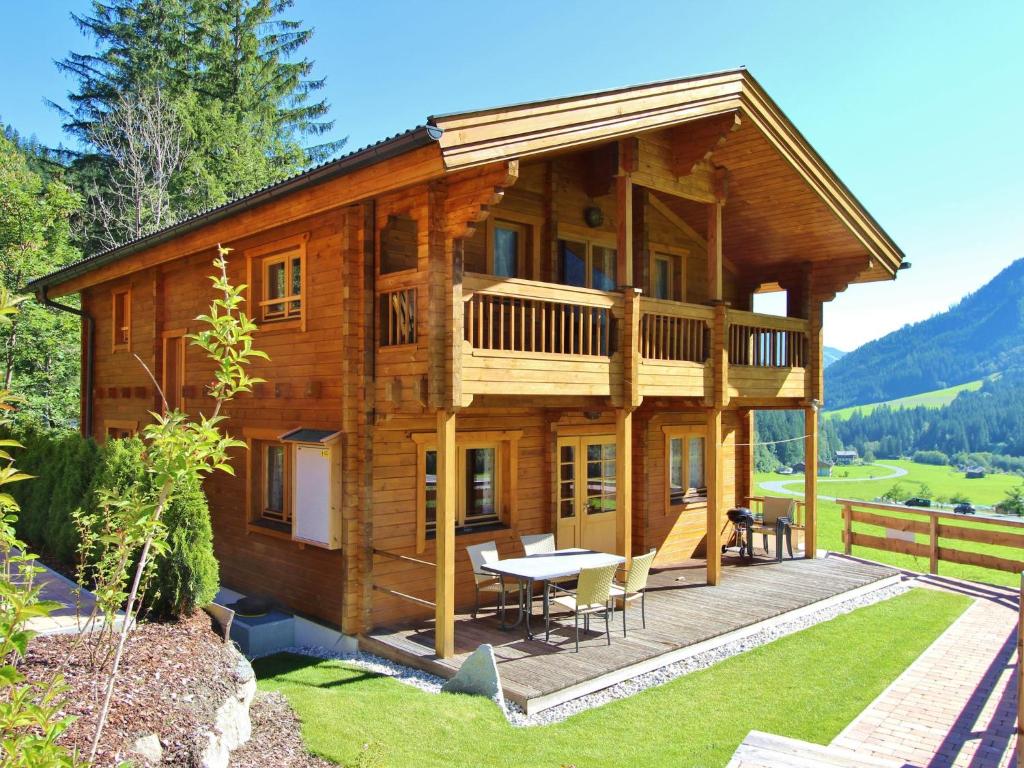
x=239 y=99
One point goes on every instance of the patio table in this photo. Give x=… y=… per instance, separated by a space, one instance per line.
x=544 y=568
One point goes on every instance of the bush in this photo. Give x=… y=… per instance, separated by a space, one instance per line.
x=186 y=577
x=938 y=458
x=69 y=470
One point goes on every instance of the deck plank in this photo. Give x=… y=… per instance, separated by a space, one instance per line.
x=680 y=614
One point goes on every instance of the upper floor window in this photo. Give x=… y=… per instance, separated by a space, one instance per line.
x=398 y=245
x=685 y=466
x=587 y=263
x=277 y=277
x=122 y=319
x=282 y=287
x=668 y=274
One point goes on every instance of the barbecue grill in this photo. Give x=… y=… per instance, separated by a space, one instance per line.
x=742 y=521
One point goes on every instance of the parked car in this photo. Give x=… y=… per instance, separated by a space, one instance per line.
x=785 y=470
x=917 y=501
x=964 y=508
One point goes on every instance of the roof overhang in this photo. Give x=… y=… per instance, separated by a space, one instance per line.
x=519 y=131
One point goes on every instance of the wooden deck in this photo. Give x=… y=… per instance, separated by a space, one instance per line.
x=684 y=617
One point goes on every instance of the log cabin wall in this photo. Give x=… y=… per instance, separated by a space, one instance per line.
x=305 y=387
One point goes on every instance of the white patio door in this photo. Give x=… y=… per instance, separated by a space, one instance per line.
x=586 y=487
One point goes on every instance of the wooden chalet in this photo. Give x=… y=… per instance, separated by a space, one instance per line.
x=533 y=318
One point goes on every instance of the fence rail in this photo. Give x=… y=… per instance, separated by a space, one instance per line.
x=903 y=526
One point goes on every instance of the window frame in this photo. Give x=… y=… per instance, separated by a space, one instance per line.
x=506 y=479
x=590 y=239
x=383 y=221
x=676 y=258
x=684 y=433
x=529 y=242
x=258 y=261
x=257 y=439
x=116 y=344
x=120 y=425
x=167 y=338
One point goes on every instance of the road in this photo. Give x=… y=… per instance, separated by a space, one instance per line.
x=779 y=486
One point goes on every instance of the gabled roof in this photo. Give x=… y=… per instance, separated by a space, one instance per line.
x=468 y=139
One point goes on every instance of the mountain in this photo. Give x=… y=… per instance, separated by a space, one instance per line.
x=981 y=335
x=831 y=355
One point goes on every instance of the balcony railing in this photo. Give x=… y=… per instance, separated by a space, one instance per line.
x=670 y=331
x=511 y=315
x=766 y=341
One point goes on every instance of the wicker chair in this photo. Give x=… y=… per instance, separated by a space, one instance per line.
x=538 y=543
x=592 y=595
x=481 y=554
x=635 y=587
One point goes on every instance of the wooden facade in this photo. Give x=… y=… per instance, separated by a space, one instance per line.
x=501 y=319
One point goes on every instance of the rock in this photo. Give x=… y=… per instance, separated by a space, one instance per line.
x=478 y=675
x=148 y=747
x=232 y=726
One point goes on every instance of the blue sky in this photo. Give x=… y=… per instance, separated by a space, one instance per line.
x=916 y=105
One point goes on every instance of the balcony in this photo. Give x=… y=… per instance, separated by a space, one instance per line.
x=523 y=337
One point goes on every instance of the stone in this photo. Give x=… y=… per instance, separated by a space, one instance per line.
x=148 y=747
x=478 y=676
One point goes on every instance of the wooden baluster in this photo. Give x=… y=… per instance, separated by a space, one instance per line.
x=847 y=528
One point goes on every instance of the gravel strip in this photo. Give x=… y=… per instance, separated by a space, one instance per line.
x=432 y=683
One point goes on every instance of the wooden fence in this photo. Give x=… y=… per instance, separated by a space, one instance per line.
x=904 y=525
x=1020 y=677
x=765 y=341
x=394 y=592
x=673 y=331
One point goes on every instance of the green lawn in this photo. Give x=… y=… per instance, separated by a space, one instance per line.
x=934 y=399
x=920 y=478
x=809 y=685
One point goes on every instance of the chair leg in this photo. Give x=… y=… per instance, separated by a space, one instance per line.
x=623 y=615
x=608 y=624
x=576 y=618
x=789 y=541
x=643 y=608
x=765 y=537
x=476 y=600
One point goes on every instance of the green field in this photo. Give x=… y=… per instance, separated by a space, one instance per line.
x=808 y=685
x=921 y=479
x=934 y=399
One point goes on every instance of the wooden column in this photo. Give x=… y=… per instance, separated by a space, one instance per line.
x=748 y=432
x=624 y=482
x=714 y=471
x=715 y=251
x=628 y=156
x=811 y=481
x=447 y=467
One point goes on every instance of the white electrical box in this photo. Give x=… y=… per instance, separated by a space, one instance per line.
x=316 y=494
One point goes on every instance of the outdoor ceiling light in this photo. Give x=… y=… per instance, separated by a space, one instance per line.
x=593 y=216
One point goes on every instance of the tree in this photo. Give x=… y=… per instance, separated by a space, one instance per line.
x=1013 y=504
x=231 y=74
x=38 y=347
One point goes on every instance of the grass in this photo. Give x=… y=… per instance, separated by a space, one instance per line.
x=809 y=685
x=921 y=479
x=934 y=399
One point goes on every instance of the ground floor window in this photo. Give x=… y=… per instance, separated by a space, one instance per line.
x=684 y=462
x=271 y=484
x=485 y=481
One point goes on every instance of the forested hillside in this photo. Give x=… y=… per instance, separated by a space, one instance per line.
x=779 y=439
x=988 y=420
x=981 y=335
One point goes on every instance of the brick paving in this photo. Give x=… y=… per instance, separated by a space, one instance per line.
x=956 y=705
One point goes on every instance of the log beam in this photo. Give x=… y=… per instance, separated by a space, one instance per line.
x=714 y=476
x=811 y=482
x=444 y=600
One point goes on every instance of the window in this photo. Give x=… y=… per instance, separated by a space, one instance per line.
x=685 y=465
x=276 y=276
x=174 y=370
x=120 y=430
x=122 y=319
x=587 y=264
x=398 y=245
x=486 y=479
x=282 y=287
x=668 y=274
x=510 y=249
x=272 y=478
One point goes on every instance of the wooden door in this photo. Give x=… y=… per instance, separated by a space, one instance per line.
x=586 y=492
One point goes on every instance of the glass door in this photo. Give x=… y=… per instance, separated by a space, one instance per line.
x=566 y=496
x=586 y=488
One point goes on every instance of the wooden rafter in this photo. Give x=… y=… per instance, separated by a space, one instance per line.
x=695 y=141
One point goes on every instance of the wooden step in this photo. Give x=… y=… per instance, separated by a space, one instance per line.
x=765 y=750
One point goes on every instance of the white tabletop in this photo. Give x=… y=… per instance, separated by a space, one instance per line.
x=552 y=565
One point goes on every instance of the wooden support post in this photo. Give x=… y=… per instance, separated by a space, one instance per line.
x=847 y=529
x=933 y=544
x=811 y=481
x=631 y=397
x=715 y=251
x=719 y=395
x=1020 y=677
x=748 y=432
x=624 y=482
x=624 y=235
x=447 y=467
x=716 y=496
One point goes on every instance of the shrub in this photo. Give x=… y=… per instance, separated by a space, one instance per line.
x=938 y=458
